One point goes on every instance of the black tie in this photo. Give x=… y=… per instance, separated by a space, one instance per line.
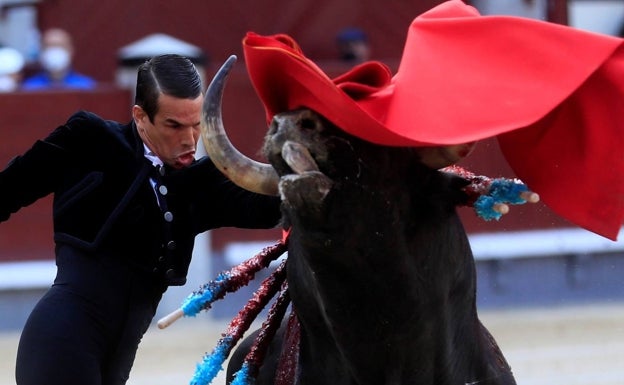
x=161 y=191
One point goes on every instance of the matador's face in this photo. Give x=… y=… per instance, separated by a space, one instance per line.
x=175 y=129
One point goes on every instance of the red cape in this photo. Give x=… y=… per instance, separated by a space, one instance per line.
x=551 y=94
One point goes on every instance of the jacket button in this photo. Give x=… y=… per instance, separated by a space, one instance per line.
x=171 y=245
x=168 y=216
x=161 y=258
x=155 y=270
x=163 y=189
x=170 y=273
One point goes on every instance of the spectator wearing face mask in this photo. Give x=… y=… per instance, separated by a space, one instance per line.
x=56 y=62
x=11 y=65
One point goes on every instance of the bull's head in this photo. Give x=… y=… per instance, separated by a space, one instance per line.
x=292 y=145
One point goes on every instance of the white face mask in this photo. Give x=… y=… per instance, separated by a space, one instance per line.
x=55 y=59
x=7 y=83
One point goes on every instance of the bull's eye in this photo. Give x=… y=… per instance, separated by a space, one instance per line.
x=307 y=124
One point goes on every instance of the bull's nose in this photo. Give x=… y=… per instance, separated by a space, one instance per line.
x=273 y=126
x=306 y=123
x=278 y=123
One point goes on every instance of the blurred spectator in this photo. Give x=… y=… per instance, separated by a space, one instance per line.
x=11 y=65
x=353 y=46
x=55 y=58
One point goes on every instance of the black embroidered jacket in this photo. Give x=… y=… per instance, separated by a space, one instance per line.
x=105 y=205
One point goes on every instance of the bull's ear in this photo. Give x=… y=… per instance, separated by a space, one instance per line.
x=442 y=156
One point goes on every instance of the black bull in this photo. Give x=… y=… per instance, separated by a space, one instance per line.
x=380 y=270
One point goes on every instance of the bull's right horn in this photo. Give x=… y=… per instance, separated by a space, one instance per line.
x=243 y=171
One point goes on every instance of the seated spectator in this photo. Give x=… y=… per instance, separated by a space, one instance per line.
x=11 y=65
x=56 y=56
x=353 y=46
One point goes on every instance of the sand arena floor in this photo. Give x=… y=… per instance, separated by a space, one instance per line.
x=580 y=345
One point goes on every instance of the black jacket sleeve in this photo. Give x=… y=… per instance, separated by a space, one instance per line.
x=217 y=202
x=30 y=176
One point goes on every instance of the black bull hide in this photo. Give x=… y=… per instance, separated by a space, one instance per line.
x=380 y=270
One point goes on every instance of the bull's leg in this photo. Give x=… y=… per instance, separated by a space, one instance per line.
x=499 y=371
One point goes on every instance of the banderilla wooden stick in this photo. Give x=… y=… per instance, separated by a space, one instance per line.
x=170 y=318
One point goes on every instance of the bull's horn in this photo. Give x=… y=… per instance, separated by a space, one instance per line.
x=243 y=171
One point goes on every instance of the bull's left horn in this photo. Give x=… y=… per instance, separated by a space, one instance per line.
x=243 y=171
